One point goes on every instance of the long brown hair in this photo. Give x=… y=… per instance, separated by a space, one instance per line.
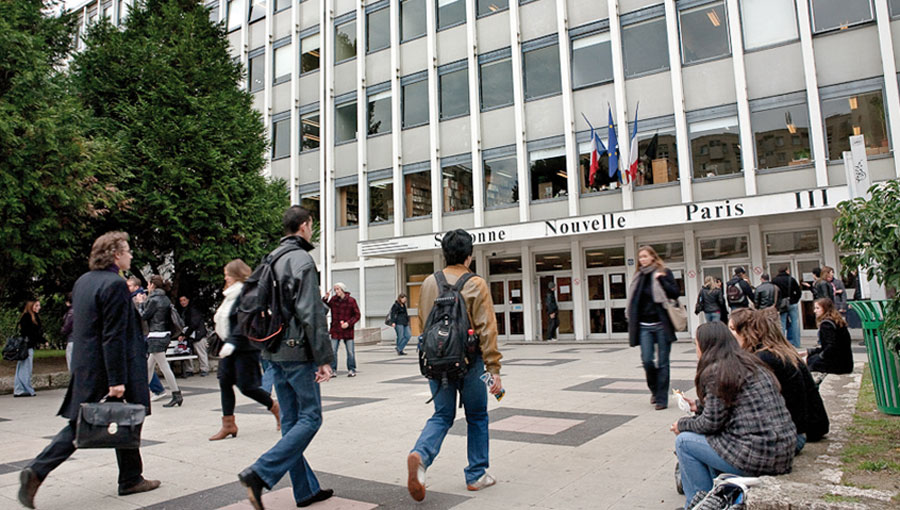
x=29 y=310
x=831 y=313
x=762 y=329
x=238 y=269
x=723 y=362
x=660 y=265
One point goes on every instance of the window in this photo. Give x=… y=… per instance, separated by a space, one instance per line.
x=861 y=114
x=548 y=174
x=840 y=14
x=496 y=84
x=417 y=188
x=213 y=11
x=257 y=10
x=309 y=131
x=505 y=265
x=378 y=30
x=486 y=7
x=107 y=11
x=348 y=205
x=416 y=273
x=645 y=47
x=311 y=203
x=672 y=251
x=541 y=68
x=790 y=243
x=381 y=201
x=657 y=158
x=605 y=257
x=715 y=147
x=281 y=5
x=257 y=72
x=450 y=12
x=553 y=261
x=309 y=57
x=237 y=9
x=704 y=33
x=379 y=113
x=457 y=187
x=895 y=7
x=415 y=104
x=283 y=63
x=501 y=182
x=344 y=42
x=771 y=130
x=454 y=93
x=345 y=122
x=412 y=19
x=768 y=22
x=281 y=138
x=591 y=60
x=602 y=180
x=724 y=248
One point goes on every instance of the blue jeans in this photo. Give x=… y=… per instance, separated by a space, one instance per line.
x=657 y=373
x=801 y=442
x=700 y=464
x=351 y=354
x=24 y=368
x=267 y=378
x=403 y=335
x=474 y=400
x=790 y=324
x=156 y=386
x=713 y=316
x=301 y=417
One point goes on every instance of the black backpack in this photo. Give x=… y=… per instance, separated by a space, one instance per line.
x=260 y=314
x=734 y=293
x=447 y=346
x=176 y=320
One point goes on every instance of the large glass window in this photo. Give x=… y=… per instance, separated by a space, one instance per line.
x=213 y=11
x=379 y=113
x=378 y=30
x=454 y=93
x=412 y=19
x=541 y=67
x=501 y=182
x=418 y=194
x=553 y=261
x=236 y=11
x=381 y=201
x=704 y=33
x=549 y=177
x=486 y=7
x=257 y=10
x=781 y=136
x=860 y=114
x=768 y=22
x=257 y=73
x=591 y=60
x=345 y=122
x=344 y=41
x=415 y=104
x=792 y=243
x=348 y=205
x=505 y=265
x=645 y=47
x=309 y=131
x=724 y=248
x=602 y=181
x=604 y=257
x=283 y=63
x=281 y=138
x=895 y=7
x=657 y=158
x=280 y=5
x=840 y=14
x=450 y=12
x=496 y=84
x=670 y=252
x=715 y=147
x=457 y=187
x=311 y=203
x=309 y=58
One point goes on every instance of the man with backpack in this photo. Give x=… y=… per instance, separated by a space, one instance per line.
x=301 y=359
x=738 y=292
x=458 y=348
x=787 y=305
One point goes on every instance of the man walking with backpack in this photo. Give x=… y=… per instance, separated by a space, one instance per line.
x=468 y=350
x=738 y=292
x=788 y=306
x=300 y=362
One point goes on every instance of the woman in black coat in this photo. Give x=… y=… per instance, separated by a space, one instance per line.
x=833 y=355
x=156 y=309
x=399 y=319
x=30 y=328
x=648 y=321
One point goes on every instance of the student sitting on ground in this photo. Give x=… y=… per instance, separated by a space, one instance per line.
x=833 y=354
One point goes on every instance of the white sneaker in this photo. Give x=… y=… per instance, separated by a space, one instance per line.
x=159 y=396
x=484 y=482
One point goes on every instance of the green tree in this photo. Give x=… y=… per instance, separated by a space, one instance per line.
x=56 y=179
x=166 y=88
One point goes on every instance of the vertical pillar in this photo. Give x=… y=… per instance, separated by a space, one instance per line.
x=816 y=130
x=326 y=157
x=756 y=254
x=691 y=285
x=396 y=120
x=889 y=65
x=829 y=251
x=295 y=104
x=568 y=106
x=362 y=124
x=515 y=42
x=681 y=130
x=579 y=293
x=267 y=78
x=748 y=155
x=474 y=113
x=433 y=117
x=532 y=315
x=621 y=105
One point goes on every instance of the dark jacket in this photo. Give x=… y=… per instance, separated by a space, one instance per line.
x=788 y=286
x=108 y=347
x=801 y=395
x=33 y=332
x=834 y=354
x=241 y=343
x=299 y=279
x=823 y=289
x=711 y=300
x=195 y=329
x=748 y=292
x=342 y=309
x=634 y=323
x=156 y=311
x=399 y=315
x=66 y=330
x=767 y=295
x=550 y=302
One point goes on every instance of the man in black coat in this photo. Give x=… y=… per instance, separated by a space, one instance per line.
x=109 y=358
x=552 y=311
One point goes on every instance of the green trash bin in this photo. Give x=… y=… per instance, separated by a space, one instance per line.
x=883 y=362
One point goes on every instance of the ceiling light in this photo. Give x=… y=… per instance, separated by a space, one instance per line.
x=563 y=174
x=857 y=130
x=713 y=18
x=854 y=102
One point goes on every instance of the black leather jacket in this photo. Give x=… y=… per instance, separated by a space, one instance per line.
x=766 y=295
x=711 y=300
x=155 y=310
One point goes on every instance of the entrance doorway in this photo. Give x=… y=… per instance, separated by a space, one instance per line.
x=507 y=295
x=801 y=269
x=607 y=299
x=555 y=268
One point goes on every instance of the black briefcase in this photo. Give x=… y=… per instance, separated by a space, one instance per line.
x=109 y=425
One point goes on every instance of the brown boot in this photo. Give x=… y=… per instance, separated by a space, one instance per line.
x=228 y=429
x=276 y=410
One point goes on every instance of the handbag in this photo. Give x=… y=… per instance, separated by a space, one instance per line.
x=677 y=314
x=109 y=425
x=214 y=345
x=16 y=348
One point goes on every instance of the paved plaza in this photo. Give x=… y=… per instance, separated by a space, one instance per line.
x=575 y=430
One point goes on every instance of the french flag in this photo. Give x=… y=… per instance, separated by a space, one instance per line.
x=631 y=174
x=597 y=150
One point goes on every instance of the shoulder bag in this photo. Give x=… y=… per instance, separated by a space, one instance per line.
x=109 y=425
x=677 y=314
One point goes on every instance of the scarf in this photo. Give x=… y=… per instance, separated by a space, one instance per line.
x=659 y=295
x=221 y=318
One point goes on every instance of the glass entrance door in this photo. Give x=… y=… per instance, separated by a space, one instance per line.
x=563 y=301
x=802 y=270
x=607 y=298
x=508 y=307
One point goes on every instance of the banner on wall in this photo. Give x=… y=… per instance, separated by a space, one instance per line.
x=857 y=168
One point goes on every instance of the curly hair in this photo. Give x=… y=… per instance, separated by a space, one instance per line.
x=103 y=253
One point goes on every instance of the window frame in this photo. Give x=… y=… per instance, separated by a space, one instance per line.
x=691 y=7
x=663 y=125
x=638 y=18
x=727 y=111
x=497 y=154
x=540 y=43
x=374 y=9
x=492 y=58
x=259 y=53
x=891 y=13
x=422 y=167
x=413 y=79
x=489 y=13
x=812 y=19
x=250 y=19
x=781 y=102
x=770 y=45
x=545 y=146
x=276 y=10
x=280 y=118
x=844 y=91
x=245 y=7
x=379 y=92
x=341 y=23
x=588 y=35
x=351 y=181
x=437 y=16
x=459 y=160
x=307 y=34
x=424 y=22
x=277 y=45
x=305 y=112
x=453 y=67
x=378 y=178
x=342 y=101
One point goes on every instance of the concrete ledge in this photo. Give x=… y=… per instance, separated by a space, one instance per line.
x=367 y=336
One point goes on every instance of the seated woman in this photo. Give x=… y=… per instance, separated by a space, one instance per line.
x=759 y=332
x=741 y=424
x=833 y=354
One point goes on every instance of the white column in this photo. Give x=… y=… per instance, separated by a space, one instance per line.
x=532 y=315
x=748 y=154
x=396 y=120
x=630 y=255
x=515 y=42
x=295 y=105
x=816 y=130
x=267 y=78
x=829 y=251
x=475 y=113
x=434 y=119
x=362 y=124
x=568 y=106
x=681 y=130
x=757 y=259
x=691 y=285
x=579 y=293
x=326 y=118
x=889 y=65
x=621 y=105
x=115 y=13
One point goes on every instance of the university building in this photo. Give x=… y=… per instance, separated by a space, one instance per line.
x=398 y=120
